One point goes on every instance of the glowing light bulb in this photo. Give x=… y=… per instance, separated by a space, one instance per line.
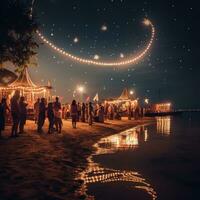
x=146 y=101
x=121 y=55
x=134 y=59
x=96 y=57
x=81 y=89
x=147 y=22
x=131 y=92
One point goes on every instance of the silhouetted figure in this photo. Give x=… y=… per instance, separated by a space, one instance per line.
x=110 y=112
x=22 y=114
x=79 y=112
x=36 y=110
x=64 y=112
x=15 y=113
x=90 y=114
x=74 y=113
x=83 y=112
x=100 y=114
x=129 y=111
x=137 y=111
x=86 y=112
x=41 y=116
x=106 y=110
x=51 y=117
x=58 y=115
x=3 y=108
x=141 y=112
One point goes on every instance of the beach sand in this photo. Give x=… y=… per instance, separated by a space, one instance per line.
x=45 y=166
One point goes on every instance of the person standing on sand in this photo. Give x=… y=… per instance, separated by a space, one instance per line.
x=83 y=112
x=51 y=117
x=22 y=114
x=90 y=114
x=36 y=109
x=86 y=112
x=42 y=115
x=3 y=108
x=57 y=115
x=74 y=113
x=101 y=114
x=15 y=113
x=79 y=112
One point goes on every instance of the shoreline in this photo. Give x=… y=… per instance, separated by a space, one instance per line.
x=43 y=166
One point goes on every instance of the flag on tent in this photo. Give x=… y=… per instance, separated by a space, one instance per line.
x=96 y=98
x=88 y=99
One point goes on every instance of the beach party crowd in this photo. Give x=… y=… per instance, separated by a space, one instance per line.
x=17 y=111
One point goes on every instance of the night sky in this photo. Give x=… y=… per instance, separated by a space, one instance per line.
x=112 y=29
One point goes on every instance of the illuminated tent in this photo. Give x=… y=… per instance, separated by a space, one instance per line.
x=124 y=95
x=123 y=98
x=123 y=101
x=27 y=88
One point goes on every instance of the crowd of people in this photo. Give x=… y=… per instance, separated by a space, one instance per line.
x=55 y=112
x=18 y=110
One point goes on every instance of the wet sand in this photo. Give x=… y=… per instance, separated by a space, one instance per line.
x=41 y=166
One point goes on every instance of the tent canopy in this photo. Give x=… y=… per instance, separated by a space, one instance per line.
x=124 y=95
x=23 y=80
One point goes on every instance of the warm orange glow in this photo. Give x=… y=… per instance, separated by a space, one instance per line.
x=96 y=173
x=131 y=60
x=163 y=107
x=163 y=125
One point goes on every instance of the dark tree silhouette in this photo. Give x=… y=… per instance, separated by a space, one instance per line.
x=17 y=31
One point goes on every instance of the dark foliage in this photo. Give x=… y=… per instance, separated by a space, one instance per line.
x=17 y=30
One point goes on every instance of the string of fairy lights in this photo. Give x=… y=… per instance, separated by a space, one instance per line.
x=133 y=59
x=26 y=89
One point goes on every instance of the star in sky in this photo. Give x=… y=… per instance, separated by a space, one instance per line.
x=172 y=57
x=104 y=28
x=76 y=40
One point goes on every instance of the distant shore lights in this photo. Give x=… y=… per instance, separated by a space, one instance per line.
x=96 y=61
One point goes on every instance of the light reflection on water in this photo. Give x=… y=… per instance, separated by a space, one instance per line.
x=125 y=140
x=129 y=139
x=95 y=173
x=163 y=125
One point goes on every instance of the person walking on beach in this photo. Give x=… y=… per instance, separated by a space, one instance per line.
x=51 y=117
x=41 y=116
x=79 y=112
x=36 y=110
x=74 y=113
x=90 y=114
x=86 y=112
x=58 y=115
x=15 y=113
x=83 y=112
x=3 y=108
x=100 y=114
x=22 y=114
x=110 y=112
